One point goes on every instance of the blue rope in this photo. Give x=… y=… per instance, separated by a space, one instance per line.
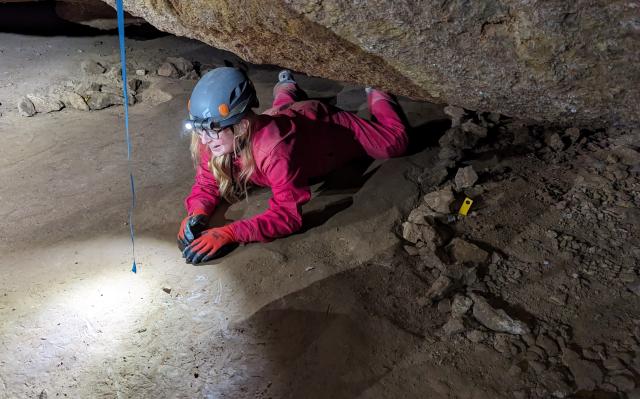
x=123 y=61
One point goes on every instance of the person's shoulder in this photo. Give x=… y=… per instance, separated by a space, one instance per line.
x=273 y=134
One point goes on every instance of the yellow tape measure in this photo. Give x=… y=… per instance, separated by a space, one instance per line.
x=466 y=204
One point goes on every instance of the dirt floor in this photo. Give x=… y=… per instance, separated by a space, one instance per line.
x=384 y=294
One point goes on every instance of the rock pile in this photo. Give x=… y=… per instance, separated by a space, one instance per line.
x=522 y=298
x=100 y=87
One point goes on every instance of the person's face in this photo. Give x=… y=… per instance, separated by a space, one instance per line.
x=220 y=142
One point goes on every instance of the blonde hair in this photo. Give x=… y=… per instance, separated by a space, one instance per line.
x=230 y=188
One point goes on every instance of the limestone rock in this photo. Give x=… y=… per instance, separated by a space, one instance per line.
x=75 y=101
x=421 y=233
x=26 y=107
x=465 y=177
x=460 y=305
x=453 y=326
x=45 y=103
x=439 y=288
x=488 y=55
x=496 y=319
x=440 y=200
x=100 y=100
x=466 y=252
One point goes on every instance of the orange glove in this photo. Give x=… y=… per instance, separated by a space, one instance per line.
x=212 y=244
x=191 y=227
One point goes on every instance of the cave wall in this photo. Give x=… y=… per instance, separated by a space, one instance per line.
x=547 y=60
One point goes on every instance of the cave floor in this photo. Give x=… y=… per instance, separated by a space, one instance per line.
x=334 y=311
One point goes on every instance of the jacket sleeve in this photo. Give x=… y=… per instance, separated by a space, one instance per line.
x=204 y=196
x=284 y=216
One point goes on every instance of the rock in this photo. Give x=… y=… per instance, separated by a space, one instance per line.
x=26 y=107
x=476 y=336
x=494 y=117
x=482 y=55
x=99 y=100
x=114 y=73
x=166 y=289
x=613 y=364
x=450 y=154
x=411 y=232
x=634 y=394
x=453 y=326
x=465 y=177
x=455 y=113
x=550 y=346
x=444 y=306
x=624 y=383
x=537 y=366
x=466 y=252
x=634 y=287
x=496 y=319
x=440 y=200
x=45 y=103
x=460 y=305
x=92 y=67
x=75 y=101
x=573 y=133
x=411 y=250
x=456 y=139
x=155 y=96
x=439 y=288
x=423 y=233
x=474 y=129
x=192 y=75
x=628 y=156
x=421 y=215
x=85 y=87
x=183 y=65
x=554 y=141
x=168 y=70
x=141 y=72
x=587 y=375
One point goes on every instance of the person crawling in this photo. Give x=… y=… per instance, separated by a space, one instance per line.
x=295 y=140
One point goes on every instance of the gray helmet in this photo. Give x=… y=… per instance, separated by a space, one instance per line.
x=221 y=98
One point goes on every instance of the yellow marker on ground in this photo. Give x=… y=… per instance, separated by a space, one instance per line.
x=466 y=204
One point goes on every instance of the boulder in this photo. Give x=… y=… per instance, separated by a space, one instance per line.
x=488 y=56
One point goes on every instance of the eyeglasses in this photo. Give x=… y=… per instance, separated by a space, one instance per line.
x=213 y=134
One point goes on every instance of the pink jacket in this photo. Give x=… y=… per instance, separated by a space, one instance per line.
x=295 y=143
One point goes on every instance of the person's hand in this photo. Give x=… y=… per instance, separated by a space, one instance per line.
x=211 y=244
x=191 y=227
